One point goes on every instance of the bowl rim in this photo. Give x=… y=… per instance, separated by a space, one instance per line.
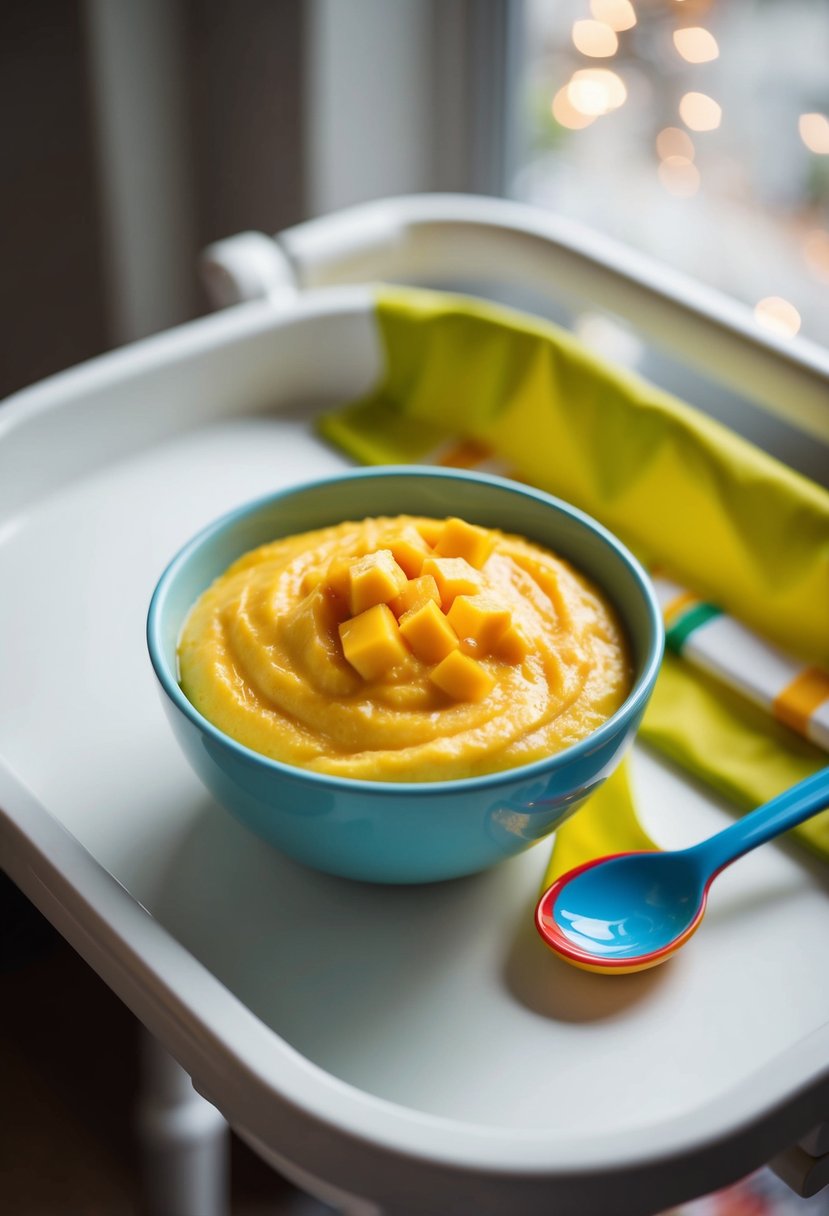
x=635 y=699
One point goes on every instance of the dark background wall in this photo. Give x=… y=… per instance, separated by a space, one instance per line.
x=51 y=286
x=244 y=91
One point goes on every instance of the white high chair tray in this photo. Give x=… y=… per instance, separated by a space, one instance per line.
x=418 y=1047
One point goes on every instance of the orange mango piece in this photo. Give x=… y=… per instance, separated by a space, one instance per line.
x=416 y=593
x=430 y=530
x=428 y=632
x=460 y=539
x=512 y=645
x=479 y=618
x=454 y=576
x=462 y=677
x=408 y=549
x=372 y=642
x=375 y=578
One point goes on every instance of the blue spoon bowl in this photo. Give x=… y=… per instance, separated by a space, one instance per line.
x=635 y=910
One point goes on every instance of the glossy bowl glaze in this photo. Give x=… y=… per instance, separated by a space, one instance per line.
x=406 y=832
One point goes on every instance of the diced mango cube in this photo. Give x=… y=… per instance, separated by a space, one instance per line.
x=479 y=617
x=512 y=646
x=460 y=539
x=372 y=643
x=430 y=530
x=428 y=632
x=375 y=578
x=454 y=576
x=338 y=578
x=408 y=549
x=462 y=677
x=416 y=593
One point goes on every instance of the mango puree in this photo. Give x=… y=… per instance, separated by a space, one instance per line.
x=404 y=649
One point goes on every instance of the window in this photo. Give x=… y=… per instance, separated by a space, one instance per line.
x=694 y=130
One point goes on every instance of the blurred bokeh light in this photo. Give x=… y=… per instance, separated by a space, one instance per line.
x=695 y=130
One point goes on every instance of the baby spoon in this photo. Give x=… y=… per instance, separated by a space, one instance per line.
x=634 y=910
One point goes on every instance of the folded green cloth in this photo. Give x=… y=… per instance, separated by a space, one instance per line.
x=472 y=383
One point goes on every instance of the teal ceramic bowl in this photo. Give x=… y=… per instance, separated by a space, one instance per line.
x=409 y=832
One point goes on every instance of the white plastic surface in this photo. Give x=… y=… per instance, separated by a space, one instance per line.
x=417 y=1047
x=444 y=237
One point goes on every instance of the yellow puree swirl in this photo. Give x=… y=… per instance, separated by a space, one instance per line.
x=261 y=657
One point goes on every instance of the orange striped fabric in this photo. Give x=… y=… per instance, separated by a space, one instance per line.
x=799 y=700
